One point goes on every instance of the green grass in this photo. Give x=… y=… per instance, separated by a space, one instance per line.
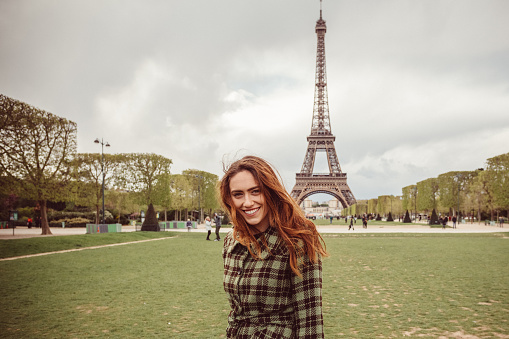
x=18 y=247
x=341 y=222
x=420 y=285
x=374 y=286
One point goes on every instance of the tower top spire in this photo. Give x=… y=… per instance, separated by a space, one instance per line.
x=320 y=23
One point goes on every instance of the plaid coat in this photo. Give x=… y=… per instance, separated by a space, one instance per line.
x=267 y=299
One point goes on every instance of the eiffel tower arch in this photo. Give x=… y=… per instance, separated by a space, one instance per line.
x=321 y=139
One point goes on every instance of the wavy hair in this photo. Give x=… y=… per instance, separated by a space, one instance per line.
x=297 y=233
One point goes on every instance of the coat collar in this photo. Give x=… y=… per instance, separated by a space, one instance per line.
x=271 y=236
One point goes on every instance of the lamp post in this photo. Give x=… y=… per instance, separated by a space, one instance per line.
x=415 y=203
x=458 y=176
x=102 y=164
x=199 y=197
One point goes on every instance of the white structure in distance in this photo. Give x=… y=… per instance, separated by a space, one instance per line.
x=314 y=210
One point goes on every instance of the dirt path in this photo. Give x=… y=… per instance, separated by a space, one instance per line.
x=81 y=249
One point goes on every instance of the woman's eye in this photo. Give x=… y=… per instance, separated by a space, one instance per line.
x=237 y=195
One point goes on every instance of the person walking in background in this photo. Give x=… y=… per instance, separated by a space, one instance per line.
x=217 y=220
x=444 y=222
x=272 y=257
x=208 y=227
x=454 y=221
x=189 y=224
x=351 y=224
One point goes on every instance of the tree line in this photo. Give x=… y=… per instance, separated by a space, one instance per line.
x=481 y=194
x=39 y=162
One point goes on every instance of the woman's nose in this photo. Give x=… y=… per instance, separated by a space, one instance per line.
x=248 y=201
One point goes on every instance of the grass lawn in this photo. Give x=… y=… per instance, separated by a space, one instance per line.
x=341 y=222
x=375 y=286
x=18 y=247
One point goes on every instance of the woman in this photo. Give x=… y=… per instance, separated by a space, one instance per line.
x=208 y=227
x=272 y=258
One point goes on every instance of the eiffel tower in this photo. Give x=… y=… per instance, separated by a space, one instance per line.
x=321 y=139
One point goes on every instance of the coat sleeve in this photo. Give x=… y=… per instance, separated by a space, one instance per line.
x=308 y=301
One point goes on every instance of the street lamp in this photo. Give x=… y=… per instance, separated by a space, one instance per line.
x=458 y=177
x=199 y=196
x=415 y=203
x=102 y=164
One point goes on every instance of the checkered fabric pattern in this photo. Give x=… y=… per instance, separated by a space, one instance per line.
x=267 y=299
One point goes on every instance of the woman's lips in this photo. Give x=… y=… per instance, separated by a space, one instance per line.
x=251 y=212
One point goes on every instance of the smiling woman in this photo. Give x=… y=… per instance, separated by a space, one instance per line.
x=248 y=200
x=272 y=257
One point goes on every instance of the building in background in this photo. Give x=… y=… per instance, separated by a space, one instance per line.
x=314 y=210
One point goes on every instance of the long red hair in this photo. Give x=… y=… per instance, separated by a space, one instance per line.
x=298 y=233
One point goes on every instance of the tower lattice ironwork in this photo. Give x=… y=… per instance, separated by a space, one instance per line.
x=321 y=139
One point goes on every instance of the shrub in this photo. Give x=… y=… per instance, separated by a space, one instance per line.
x=407 y=218
x=151 y=223
x=58 y=215
x=74 y=222
x=389 y=218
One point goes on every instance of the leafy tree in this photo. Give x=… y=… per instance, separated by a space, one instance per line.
x=397 y=205
x=409 y=197
x=362 y=206
x=480 y=189
x=428 y=194
x=384 y=204
x=497 y=169
x=353 y=210
x=162 y=193
x=181 y=194
x=88 y=173
x=451 y=184
x=139 y=172
x=372 y=203
x=204 y=196
x=122 y=202
x=36 y=148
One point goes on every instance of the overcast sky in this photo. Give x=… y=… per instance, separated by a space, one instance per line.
x=416 y=88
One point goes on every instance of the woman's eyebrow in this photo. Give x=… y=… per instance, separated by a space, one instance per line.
x=249 y=189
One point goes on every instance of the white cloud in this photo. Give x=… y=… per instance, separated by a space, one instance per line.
x=416 y=88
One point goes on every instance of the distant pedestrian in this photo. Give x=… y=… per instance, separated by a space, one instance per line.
x=364 y=222
x=501 y=220
x=217 y=220
x=189 y=224
x=454 y=222
x=351 y=224
x=29 y=222
x=346 y=220
x=444 y=222
x=208 y=227
x=331 y=217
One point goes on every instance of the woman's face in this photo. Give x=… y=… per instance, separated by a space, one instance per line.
x=249 y=201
